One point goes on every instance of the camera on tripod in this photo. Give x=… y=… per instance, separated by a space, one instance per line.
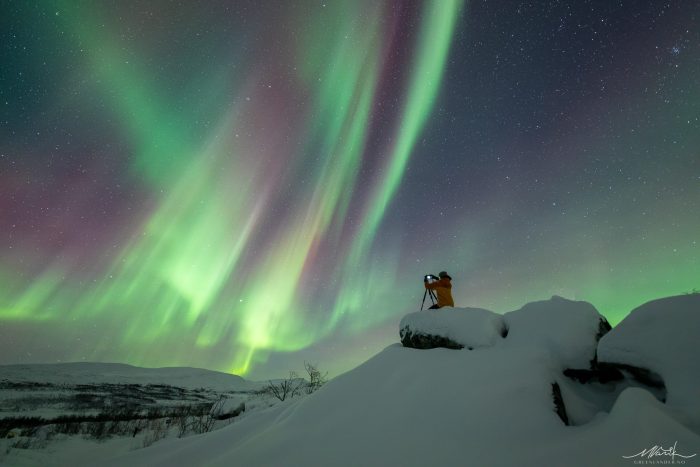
x=429 y=279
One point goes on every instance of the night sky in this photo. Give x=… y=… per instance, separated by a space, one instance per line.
x=246 y=185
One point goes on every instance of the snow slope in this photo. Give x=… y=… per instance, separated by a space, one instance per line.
x=489 y=406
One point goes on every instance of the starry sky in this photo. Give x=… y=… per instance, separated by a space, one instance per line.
x=245 y=186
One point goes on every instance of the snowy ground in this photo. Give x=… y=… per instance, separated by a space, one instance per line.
x=539 y=387
x=93 y=411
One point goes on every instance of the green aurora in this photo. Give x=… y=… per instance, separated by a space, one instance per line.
x=218 y=190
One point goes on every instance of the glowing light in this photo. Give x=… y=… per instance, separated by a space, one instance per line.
x=212 y=196
x=206 y=266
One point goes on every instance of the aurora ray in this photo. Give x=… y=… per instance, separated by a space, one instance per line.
x=241 y=185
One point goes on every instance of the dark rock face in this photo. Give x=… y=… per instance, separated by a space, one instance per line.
x=610 y=377
x=596 y=375
x=559 y=406
x=603 y=328
x=641 y=375
x=417 y=340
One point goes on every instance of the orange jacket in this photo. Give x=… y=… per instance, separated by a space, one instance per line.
x=443 y=290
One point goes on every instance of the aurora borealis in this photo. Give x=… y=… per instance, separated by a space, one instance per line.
x=243 y=186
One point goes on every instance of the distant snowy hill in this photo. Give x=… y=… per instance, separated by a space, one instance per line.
x=77 y=414
x=118 y=373
x=526 y=388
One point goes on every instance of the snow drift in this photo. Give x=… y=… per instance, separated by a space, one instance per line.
x=661 y=337
x=505 y=402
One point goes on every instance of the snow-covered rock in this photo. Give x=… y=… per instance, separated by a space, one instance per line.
x=661 y=338
x=565 y=330
x=636 y=422
x=453 y=328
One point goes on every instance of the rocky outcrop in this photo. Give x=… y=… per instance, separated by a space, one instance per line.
x=451 y=328
x=568 y=330
x=650 y=349
x=559 y=406
x=491 y=406
x=655 y=346
x=418 y=340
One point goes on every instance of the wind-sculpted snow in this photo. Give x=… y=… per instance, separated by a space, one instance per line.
x=564 y=329
x=662 y=337
x=492 y=406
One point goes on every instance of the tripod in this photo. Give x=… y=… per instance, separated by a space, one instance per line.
x=433 y=298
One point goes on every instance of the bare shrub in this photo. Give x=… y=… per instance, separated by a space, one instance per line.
x=123 y=420
x=23 y=443
x=97 y=430
x=158 y=430
x=10 y=423
x=182 y=420
x=28 y=439
x=288 y=387
x=316 y=378
x=199 y=418
x=202 y=423
x=231 y=413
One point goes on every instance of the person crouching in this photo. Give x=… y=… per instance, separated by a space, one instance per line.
x=443 y=290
